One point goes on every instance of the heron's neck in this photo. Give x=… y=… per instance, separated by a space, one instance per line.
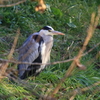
x=48 y=38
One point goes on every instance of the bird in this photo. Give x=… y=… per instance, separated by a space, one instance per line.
x=36 y=49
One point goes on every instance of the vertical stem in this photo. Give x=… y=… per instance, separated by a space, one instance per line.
x=3 y=68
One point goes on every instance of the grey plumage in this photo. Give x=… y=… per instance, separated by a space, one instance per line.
x=36 y=48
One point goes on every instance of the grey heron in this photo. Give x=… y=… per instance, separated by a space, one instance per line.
x=37 y=49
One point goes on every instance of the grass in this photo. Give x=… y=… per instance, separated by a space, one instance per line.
x=71 y=17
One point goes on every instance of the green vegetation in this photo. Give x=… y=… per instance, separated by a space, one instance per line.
x=71 y=17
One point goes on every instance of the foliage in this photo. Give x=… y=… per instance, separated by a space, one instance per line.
x=72 y=17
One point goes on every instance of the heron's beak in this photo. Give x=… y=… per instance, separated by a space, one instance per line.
x=57 y=33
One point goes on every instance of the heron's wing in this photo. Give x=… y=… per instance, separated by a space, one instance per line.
x=29 y=52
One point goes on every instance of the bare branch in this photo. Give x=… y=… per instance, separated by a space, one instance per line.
x=87 y=88
x=40 y=7
x=91 y=49
x=77 y=91
x=4 y=67
x=18 y=62
x=14 y=4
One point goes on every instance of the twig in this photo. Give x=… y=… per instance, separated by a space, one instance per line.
x=74 y=94
x=3 y=68
x=77 y=91
x=10 y=5
x=89 y=87
x=14 y=44
x=18 y=62
x=91 y=49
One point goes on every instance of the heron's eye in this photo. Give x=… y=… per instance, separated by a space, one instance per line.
x=49 y=30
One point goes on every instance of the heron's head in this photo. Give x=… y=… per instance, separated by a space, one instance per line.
x=48 y=30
